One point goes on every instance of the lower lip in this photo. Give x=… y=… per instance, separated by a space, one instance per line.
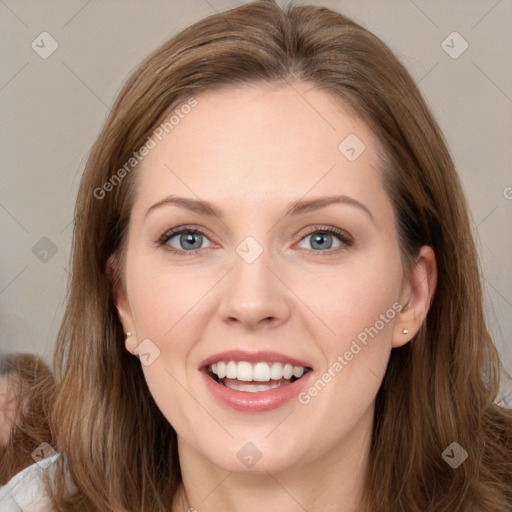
x=259 y=401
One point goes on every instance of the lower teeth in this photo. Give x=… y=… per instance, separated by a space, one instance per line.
x=255 y=388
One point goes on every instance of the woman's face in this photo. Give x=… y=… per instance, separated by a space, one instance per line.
x=264 y=279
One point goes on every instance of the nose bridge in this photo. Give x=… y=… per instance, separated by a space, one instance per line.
x=253 y=292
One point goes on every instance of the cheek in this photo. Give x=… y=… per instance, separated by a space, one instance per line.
x=165 y=308
x=354 y=296
x=356 y=303
x=162 y=298
x=167 y=301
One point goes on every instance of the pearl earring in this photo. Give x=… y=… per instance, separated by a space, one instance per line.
x=128 y=334
x=405 y=331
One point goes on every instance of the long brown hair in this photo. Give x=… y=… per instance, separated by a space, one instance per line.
x=439 y=388
x=33 y=391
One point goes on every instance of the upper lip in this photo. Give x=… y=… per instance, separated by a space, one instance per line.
x=253 y=357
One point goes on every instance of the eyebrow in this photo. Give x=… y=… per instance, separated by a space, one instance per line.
x=298 y=207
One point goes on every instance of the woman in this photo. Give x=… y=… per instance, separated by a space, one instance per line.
x=321 y=344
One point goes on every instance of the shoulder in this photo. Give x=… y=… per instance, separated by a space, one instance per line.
x=25 y=491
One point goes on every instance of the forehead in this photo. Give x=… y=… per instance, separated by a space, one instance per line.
x=260 y=145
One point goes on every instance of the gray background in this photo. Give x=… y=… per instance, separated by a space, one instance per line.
x=52 y=110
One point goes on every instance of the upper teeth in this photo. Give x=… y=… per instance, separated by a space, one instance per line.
x=260 y=372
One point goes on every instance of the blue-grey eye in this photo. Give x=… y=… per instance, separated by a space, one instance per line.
x=188 y=240
x=321 y=240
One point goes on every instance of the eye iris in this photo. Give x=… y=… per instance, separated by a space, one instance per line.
x=322 y=240
x=189 y=238
x=318 y=237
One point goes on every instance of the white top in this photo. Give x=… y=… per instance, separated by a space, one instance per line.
x=25 y=491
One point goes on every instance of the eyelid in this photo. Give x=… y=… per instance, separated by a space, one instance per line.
x=327 y=229
x=170 y=233
x=346 y=240
x=343 y=236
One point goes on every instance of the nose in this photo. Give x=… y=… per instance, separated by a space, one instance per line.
x=254 y=294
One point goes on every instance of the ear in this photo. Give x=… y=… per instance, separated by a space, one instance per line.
x=416 y=296
x=119 y=294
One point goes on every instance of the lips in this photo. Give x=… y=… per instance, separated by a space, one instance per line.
x=254 y=382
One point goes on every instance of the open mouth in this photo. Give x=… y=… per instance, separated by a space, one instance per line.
x=254 y=378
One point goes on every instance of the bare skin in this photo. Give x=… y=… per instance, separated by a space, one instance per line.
x=251 y=152
x=7 y=408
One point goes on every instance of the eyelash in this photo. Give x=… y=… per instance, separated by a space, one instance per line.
x=344 y=238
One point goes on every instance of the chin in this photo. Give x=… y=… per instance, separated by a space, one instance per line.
x=256 y=456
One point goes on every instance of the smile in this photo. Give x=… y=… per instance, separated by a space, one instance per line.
x=255 y=385
x=255 y=377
